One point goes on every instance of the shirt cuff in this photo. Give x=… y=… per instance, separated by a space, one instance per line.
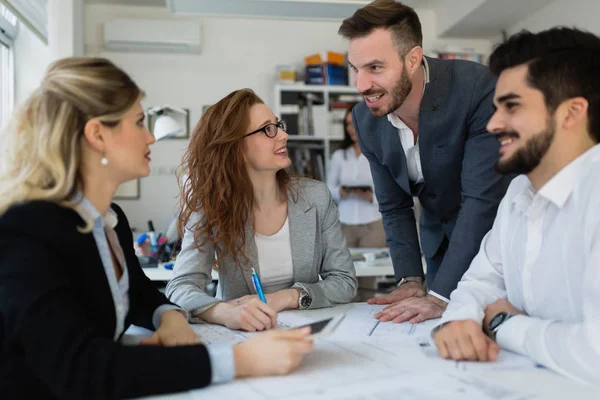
x=222 y=362
x=439 y=296
x=512 y=334
x=164 y=308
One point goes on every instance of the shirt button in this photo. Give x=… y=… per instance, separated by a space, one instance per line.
x=120 y=308
x=444 y=221
x=431 y=196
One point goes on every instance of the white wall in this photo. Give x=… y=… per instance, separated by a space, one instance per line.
x=65 y=28
x=582 y=14
x=32 y=57
x=236 y=53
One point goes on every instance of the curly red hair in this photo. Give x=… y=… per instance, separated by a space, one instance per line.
x=217 y=185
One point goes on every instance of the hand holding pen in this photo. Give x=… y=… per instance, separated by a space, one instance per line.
x=258 y=286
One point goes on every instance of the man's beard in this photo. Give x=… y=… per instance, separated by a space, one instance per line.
x=398 y=94
x=527 y=158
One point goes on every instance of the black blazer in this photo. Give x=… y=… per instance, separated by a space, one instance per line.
x=462 y=190
x=57 y=315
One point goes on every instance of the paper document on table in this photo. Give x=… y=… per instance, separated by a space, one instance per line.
x=353 y=370
x=406 y=328
x=507 y=360
x=358 y=322
x=290 y=319
x=210 y=333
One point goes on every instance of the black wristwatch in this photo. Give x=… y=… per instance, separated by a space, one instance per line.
x=497 y=321
x=304 y=299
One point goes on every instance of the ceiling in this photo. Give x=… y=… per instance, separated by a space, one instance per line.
x=455 y=18
x=162 y=3
x=149 y=3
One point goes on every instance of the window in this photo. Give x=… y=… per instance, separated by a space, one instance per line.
x=8 y=30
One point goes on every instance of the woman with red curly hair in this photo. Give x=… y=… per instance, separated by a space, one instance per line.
x=241 y=210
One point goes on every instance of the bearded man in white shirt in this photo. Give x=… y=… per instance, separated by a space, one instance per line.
x=534 y=286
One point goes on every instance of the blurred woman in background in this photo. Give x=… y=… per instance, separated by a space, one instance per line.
x=351 y=185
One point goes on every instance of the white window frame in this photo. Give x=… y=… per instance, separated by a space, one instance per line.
x=8 y=31
x=33 y=13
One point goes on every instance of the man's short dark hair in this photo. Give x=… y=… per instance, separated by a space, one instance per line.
x=563 y=63
x=401 y=20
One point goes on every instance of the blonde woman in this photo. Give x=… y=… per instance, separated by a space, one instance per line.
x=70 y=283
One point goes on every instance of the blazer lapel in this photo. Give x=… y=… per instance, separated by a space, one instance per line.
x=252 y=253
x=303 y=227
x=430 y=111
x=393 y=152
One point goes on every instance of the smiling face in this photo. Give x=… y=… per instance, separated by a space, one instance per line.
x=262 y=153
x=380 y=74
x=521 y=123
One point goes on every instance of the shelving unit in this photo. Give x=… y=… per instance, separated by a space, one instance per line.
x=327 y=122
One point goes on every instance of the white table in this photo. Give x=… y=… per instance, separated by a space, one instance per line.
x=379 y=267
x=542 y=383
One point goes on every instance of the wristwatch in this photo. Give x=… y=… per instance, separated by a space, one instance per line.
x=304 y=299
x=409 y=279
x=496 y=322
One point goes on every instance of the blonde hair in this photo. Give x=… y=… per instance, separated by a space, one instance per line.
x=41 y=149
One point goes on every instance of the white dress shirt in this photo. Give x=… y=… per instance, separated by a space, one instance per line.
x=543 y=255
x=411 y=150
x=347 y=169
x=275 y=259
x=407 y=138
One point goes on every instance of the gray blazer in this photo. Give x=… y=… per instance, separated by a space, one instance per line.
x=461 y=192
x=318 y=249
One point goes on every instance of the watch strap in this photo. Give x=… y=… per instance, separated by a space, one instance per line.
x=418 y=279
x=493 y=331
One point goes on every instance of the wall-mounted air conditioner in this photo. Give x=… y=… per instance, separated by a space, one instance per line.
x=142 y=35
x=327 y=10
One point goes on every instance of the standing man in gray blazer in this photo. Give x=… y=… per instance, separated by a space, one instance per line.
x=422 y=127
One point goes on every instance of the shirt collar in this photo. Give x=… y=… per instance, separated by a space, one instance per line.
x=426 y=70
x=393 y=118
x=396 y=121
x=85 y=209
x=560 y=186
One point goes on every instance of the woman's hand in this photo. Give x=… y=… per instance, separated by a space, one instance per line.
x=252 y=316
x=173 y=330
x=272 y=353
x=278 y=301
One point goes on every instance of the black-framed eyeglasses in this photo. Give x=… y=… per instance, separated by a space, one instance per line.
x=270 y=130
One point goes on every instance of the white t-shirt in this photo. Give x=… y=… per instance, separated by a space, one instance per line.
x=347 y=169
x=275 y=259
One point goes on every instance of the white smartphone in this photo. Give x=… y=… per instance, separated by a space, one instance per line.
x=322 y=328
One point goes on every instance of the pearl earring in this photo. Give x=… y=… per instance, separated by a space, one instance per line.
x=104 y=161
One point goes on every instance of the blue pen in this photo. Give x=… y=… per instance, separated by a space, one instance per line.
x=142 y=238
x=258 y=286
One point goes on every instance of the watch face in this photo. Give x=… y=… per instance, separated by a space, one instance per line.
x=305 y=301
x=497 y=320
